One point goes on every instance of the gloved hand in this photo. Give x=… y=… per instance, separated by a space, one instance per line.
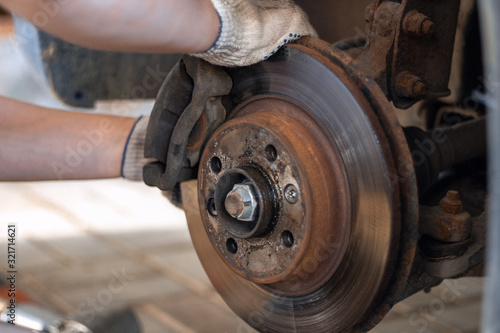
x=133 y=154
x=253 y=30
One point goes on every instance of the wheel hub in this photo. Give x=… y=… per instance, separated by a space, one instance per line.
x=271 y=146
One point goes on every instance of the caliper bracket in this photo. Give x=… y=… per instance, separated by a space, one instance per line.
x=188 y=110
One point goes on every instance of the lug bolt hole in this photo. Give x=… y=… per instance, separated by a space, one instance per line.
x=287 y=238
x=271 y=153
x=216 y=164
x=211 y=207
x=232 y=246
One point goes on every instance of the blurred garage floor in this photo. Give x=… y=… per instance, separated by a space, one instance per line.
x=75 y=239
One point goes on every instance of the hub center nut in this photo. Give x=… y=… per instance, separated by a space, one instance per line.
x=242 y=204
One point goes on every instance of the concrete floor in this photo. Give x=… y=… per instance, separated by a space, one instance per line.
x=75 y=237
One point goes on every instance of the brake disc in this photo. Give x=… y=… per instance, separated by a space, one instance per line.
x=314 y=146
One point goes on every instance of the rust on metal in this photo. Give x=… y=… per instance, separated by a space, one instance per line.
x=250 y=140
x=417 y=24
x=187 y=111
x=234 y=204
x=446 y=260
x=403 y=177
x=411 y=86
x=451 y=204
x=415 y=37
x=310 y=191
x=447 y=222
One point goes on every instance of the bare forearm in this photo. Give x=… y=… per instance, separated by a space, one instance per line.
x=45 y=144
x=165 y=26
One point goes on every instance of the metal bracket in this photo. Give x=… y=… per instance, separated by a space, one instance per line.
x=451 y=265
x=410 y=47
x=187 y=112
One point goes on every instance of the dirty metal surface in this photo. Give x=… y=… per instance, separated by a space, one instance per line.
x=187 y=111
x=204 y=114
x=468 y=254
x=404 y=177
x=410 y=47
x=321 y=81
x=448 y=222
x=453 y=241
x=277 y=140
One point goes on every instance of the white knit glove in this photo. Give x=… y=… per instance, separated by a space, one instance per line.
x=253 y=30
x=133 y=155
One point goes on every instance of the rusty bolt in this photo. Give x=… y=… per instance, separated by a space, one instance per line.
x=451 y=204
x=241 y=203
x=448 y=222
x=427 y=27
x=419 y=88
x=416 y=24
x=410 y=86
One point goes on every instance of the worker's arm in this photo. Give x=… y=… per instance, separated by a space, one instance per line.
x=44 y=144
x=223 y=32
x=37 y=143
x=165 y=26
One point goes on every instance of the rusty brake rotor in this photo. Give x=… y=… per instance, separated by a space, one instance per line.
x=301 y=213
